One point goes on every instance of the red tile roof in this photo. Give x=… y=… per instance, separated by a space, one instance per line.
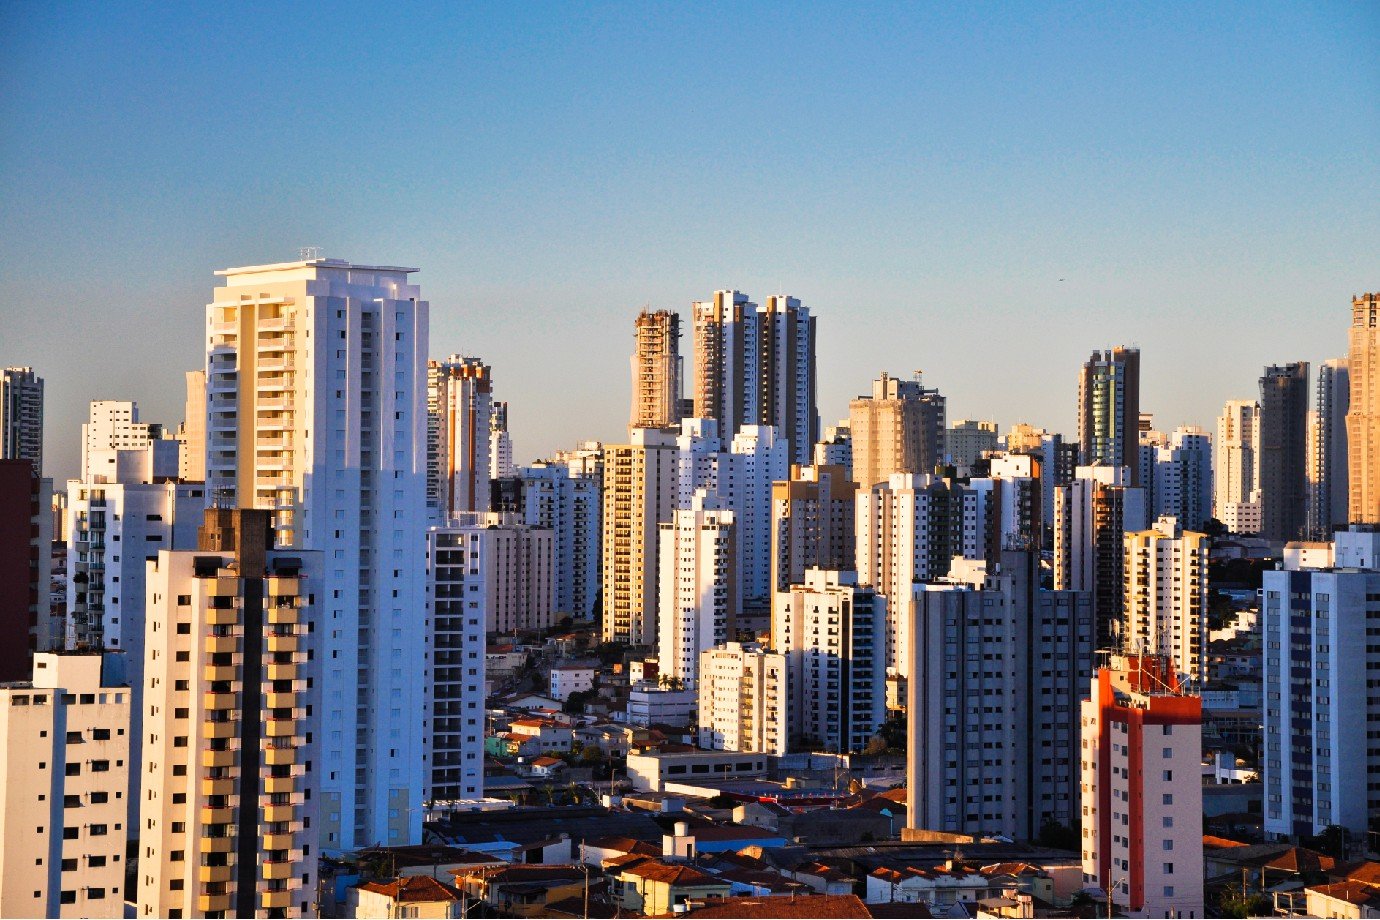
x=1351 y=892
x=1301 y=859
x=678 y=876
x=846 y=906
x=414 y=888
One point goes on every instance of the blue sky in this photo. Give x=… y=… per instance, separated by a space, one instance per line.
x=1203 y=179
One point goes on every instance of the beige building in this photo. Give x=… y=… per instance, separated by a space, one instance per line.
x=1235 y=480
x=64 y=772
x=656 y=371
x=191 y=434
x=228 y=819
x=1363 y=413
x=742 y=699
x=1166 y=596
x=459 y=418
x=412 y=896
x=639 y=493
x=508 y=569
x=898 y=429
x=812 y=516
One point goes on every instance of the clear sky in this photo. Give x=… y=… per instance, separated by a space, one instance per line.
x=986 y=194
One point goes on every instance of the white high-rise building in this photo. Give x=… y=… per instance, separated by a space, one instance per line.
x=835 y=447
x=1142 y=789
x=113 y=425
x=833 y=633
x=639 y=493
x=1236 y=478
x=560 y=497
x=115 y=529
x=500 y=445
x=1181 y=478
x=742 y=699
x=1166 y=596
x=229 y=807
x=316 y=383
x=459 y=436
x=64 y=775
x=1319 y=629
x=1091 y=516
x=455 y=685
x=699 y=584
x=757 y=459
x=509 y=572
x=699 y=459
x=21 y=416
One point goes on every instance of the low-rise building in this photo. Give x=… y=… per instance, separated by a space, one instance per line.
x=652 y=771
x=64 y=770
x=655 y=888
x=568 y=679
x=412 y=896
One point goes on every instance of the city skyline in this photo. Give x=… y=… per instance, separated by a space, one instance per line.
x=1169 y=166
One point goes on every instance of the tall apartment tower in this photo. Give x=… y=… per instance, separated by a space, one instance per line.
x=833 y=635
x=757 y=459
x=1091 y=515
x=191 y=434
x=316 y=383
x=21 y=416
x=639 y=493
x=562 y=498
x=114 y=425
x=968 y=440
x=813 y=520
x=656 y=371
x=64 y=775
x=1328 y=489
x=1236 y=479
x=755 y=365
x=455 y=686
x=1166 y=596
x=1109 y=410
x=459 y=418
x=510 y=575
x=500 y=444
x=742 y=699
x=1180 y=480
x=26 y=533
x=1283 y=451
x=1321 y=714
x=1142 y=789
x=699 y=585
x=997 y=669
x=1363 y=411
x=229 y=808
x=898 y=429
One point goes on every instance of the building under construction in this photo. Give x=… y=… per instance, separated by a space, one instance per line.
x=656 y=371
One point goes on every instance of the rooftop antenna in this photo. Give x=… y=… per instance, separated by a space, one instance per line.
x=309 y=253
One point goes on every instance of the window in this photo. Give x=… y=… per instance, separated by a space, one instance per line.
x=100 y=734
x=1169 y=891
x=95 y=861
x=99 y=830
x=68 y=897
x=68 y=833
x=95 y=893
x=69 y=865
x=1169 y=798
x=100 y=766
x=1168 y=868
x=73 y=769
x=1168 y=821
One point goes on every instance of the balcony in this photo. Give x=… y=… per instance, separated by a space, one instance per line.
x=219 y=729
x=226 y=616
x=280 y=616
x=217 y=815
x=217 y=758
x=273 y=813
x=221 y=645
x=279 y=585
x=277 y=842
x=278 y=870
x=272 y=899
x=282 y=643
x=214 y=874
x=218 y=787
x=207 y=903
x=280 y=757
x=221 y=701
x=280 y=700
x=217 y=844
x=279 y=784
x=280 y=728
x=282 y=672
x=223 y=672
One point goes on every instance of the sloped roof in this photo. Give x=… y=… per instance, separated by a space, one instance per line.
x=414 y=888
x=1351 y=892
x=1301 y=859
x=845 y=906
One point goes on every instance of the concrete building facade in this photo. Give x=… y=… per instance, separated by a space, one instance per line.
x=900 y=428
x=1283 y=451
x=639 y=493
x=1166 y=597
x=21 y=416
x=1363 y=411
x=699 y=585
x=742 y=699
x=1109 y=410
x=656 y=370
x=457 y=578
x=316 y=384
